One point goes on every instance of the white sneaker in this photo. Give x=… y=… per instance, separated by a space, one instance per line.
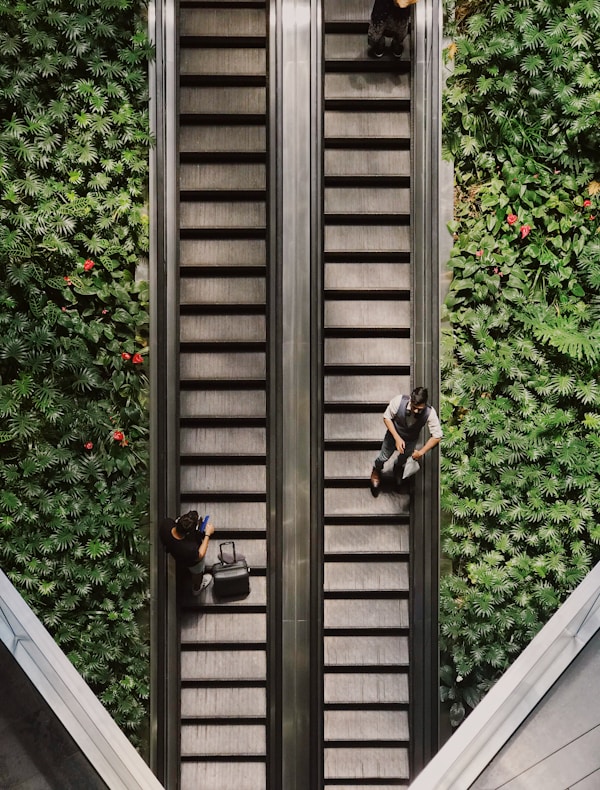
x=206 y=581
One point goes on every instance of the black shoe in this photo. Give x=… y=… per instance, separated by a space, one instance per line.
x=378 y=50
x=397 y=50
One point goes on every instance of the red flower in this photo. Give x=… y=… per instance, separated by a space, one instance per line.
x=88 y=445
x=137 y=359
x=67 y=280
x=511 y=219
x=587 y=203
x=525 y=230
x=479 y=253
x=125 y=355
x=592 y=216
x=88 y=265
x=118 y=436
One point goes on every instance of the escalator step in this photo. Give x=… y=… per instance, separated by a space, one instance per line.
x=368 y=725
x=227 y=702
x=354 y=651
x=368 y=576
x=366 y=688
x=365 y=614
x=365 y=763
x=241 y=776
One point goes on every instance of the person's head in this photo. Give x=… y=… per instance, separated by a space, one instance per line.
x=418 y=399
x=187 y=522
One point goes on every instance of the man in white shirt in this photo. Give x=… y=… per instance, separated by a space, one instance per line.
x=405 y=418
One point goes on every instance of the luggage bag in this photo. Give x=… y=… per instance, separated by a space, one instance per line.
x=231 y=575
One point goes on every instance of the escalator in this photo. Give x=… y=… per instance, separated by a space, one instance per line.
x=222 y=406
x=367 y=360
x=235 y=660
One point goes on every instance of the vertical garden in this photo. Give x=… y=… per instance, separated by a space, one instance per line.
x=74 y=145
x=521 y=355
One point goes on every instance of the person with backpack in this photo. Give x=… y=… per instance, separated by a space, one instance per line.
x=186 y=539
x=405 y=418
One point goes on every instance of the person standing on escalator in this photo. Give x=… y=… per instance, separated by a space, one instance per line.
x=186 y=539
x=388 y=18
x=405 y=418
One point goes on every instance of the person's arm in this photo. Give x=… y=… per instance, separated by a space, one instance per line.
x=203 y=547
x=397 y=438
x=435 y=429
x=429 y=445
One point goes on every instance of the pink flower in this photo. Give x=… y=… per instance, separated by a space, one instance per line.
x=587 y=203
x=67 y=280
x=104 y=312
x=496 y=270
x=525 y=230
x=137 y=359
x=88 y=265
x=556 y=172
x=125 y=355
x=511 y=219
x=64 y=309
x=479 y=253
x=592 y=216
x=88 y=445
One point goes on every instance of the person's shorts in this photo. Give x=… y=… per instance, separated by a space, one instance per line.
x=198 y=568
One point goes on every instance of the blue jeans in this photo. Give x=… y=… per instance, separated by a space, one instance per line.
x=388 y=447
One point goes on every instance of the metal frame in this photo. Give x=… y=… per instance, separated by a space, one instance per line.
x=87 y=721
x=274 y=413
x=164 y=374
x=515 y=695
x=294 y=143
x=317 y=397
x=425 y=511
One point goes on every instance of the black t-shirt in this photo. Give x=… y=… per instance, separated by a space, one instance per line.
x=184 y=551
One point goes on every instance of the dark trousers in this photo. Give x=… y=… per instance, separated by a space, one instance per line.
x=387 y=20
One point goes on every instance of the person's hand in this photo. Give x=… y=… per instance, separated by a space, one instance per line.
x=417 y=454
x=400 y=444
x=209 y=530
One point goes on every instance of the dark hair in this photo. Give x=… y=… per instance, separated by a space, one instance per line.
x=187 y=522
x=419 y=395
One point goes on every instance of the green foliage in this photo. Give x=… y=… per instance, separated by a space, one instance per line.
x=525 y=73
x=73 y=333
x=521 y=356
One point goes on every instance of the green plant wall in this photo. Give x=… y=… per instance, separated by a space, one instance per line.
x=521 y=356
x=74 y=146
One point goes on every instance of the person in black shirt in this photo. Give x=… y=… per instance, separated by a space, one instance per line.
x=187 y=544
